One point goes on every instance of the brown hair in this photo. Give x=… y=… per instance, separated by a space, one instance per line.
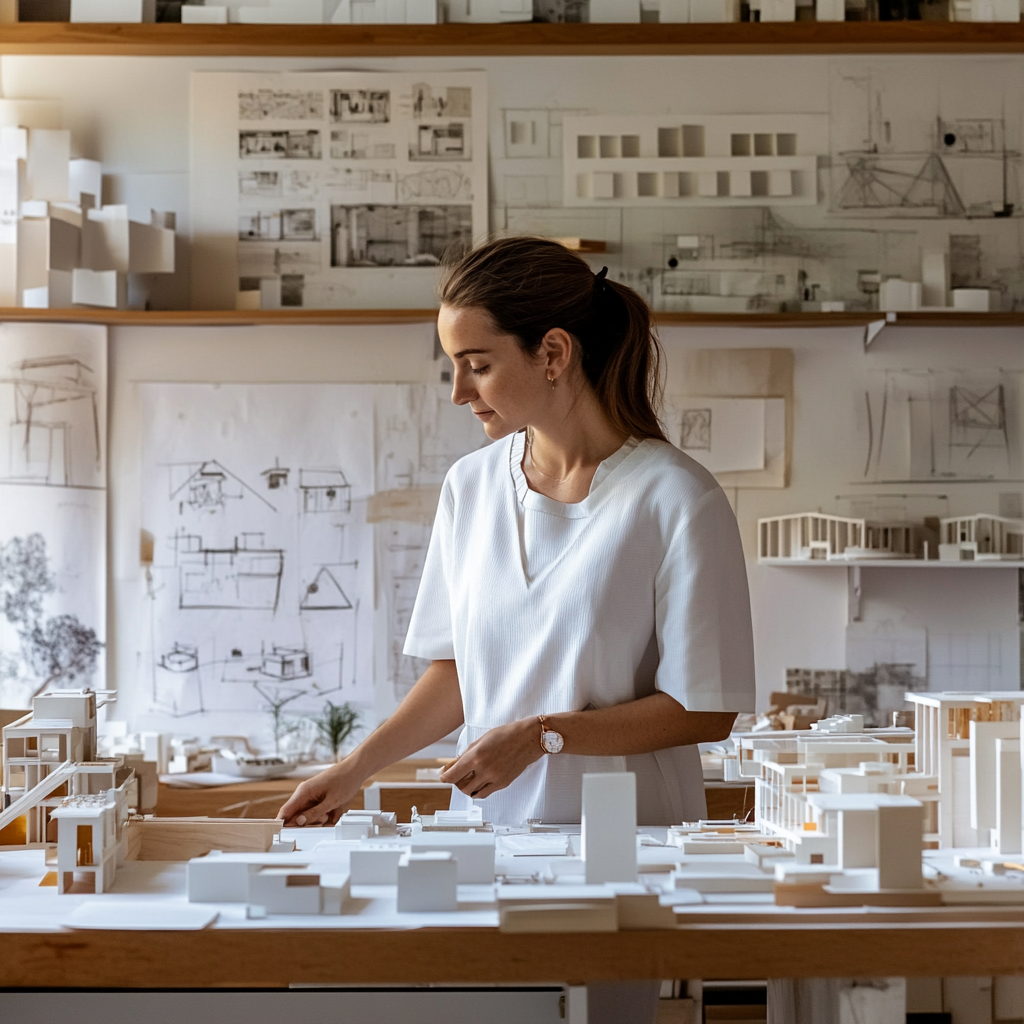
x=529 y=286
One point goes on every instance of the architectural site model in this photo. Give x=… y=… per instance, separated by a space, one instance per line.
x=844 y=817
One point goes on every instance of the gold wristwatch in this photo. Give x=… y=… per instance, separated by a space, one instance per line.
x=551 y=742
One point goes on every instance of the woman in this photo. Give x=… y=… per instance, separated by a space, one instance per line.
x=584 y=600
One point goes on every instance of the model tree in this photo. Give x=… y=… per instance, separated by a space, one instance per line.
x=57 y=648
x=335 y=724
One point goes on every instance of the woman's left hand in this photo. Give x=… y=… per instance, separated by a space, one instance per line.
x=496 y=760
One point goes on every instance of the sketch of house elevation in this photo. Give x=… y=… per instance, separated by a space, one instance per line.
x=51 y=408
x=208 y=487
x=325 y=490
x=245 y=576
x=693 y=160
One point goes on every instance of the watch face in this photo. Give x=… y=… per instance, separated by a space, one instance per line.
x=552 y=742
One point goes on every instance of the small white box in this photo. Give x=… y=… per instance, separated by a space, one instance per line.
x=113 y=11
x=427 y=882
x=85 y=176
x=353 y=828
x=898 y=296
x=106 y=288
x=778 y=10
x=614 y=12
x=972 y=300
x=286 y=890
x=375 y=864
x=608 y=829
x=714 y=11
x=830 y=10
x=474 y=852
x=297 y=12
x=197 y=14
x=674 y=12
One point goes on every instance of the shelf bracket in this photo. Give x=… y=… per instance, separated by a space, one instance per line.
x=853 y=594
x=873 y=328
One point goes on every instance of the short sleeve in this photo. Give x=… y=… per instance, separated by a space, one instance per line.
x=702 y=612
x=430 y=626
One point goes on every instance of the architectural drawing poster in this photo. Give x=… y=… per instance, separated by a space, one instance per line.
x=334 y=189
x=263 y=502
x=53 y=414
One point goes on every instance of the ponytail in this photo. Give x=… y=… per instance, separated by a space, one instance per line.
x=530 y=286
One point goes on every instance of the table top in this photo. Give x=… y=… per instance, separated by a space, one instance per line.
x=717 y=935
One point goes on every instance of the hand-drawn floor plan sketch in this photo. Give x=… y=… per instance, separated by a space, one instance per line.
x=53 y=412
x=271 y=507
x=935 y=425
x=261 y=587
x=334 y=189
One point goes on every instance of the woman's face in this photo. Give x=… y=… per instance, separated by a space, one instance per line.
x=506 y=388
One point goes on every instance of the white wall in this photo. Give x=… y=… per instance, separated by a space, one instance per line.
x=132 y=113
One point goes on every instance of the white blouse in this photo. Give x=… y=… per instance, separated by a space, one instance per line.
x=549 y=607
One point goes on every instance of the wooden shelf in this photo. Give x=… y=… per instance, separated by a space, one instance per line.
x=511 y=40
x=295 y=317
x=887 y=563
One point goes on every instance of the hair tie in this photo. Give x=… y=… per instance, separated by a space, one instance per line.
x=599 y=278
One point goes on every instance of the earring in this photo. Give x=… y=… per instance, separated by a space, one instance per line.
x=551 y=378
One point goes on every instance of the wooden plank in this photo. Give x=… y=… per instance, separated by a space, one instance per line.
x=298 y=317
x=511 y=39
x=179 y=839
x=274 y=959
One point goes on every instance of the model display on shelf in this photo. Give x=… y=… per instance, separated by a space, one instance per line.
x=815 y=536
x=67 y=248
x=981 y=538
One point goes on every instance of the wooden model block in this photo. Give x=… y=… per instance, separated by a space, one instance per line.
x=609 y=827
x=185 y=838
x=427 y=882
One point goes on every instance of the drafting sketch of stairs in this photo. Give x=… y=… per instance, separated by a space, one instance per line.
x=37 y=793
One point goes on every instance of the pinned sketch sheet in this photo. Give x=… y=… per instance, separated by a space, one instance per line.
x=723 y=434
x=53 y=414
x=269 y=506
x=940 y=425
x=335 y=189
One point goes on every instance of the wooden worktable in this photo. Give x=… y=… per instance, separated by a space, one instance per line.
x=224 y=958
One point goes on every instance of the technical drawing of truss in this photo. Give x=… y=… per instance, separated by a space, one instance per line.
x=941 y=425
x=51 y=406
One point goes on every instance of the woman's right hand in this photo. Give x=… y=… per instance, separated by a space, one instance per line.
x=322 y=799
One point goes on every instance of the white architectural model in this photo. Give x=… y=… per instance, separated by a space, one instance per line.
x=68 y=249
x=982 y=538
x=608 y=829
x=812 y=536
x=427 y=881
x=703 y=160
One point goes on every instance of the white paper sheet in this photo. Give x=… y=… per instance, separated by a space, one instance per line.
x=723 y=434
x=262 y=582
x=267 y=504
x=53 y=412
x=334 y=189
x=140 y=915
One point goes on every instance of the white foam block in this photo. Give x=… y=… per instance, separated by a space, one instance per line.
x=285 y=890
x=899 y=847
x=297 y=12
x=106 y=239
x=778 y=10
x=113 y=11
x=1008 y=796
x=49 y=154
x=674 y=12
x=714 y=11
x=85 y=176
x=376 y=864
x=830 y=10
x=972 y=300
x=106 y=288
x=143 y=915
x=194 y=14
x=150 y=249
x=474 y=852
x=427 y=882
x=33 y=236
x=614 y=11
x=608 y=827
